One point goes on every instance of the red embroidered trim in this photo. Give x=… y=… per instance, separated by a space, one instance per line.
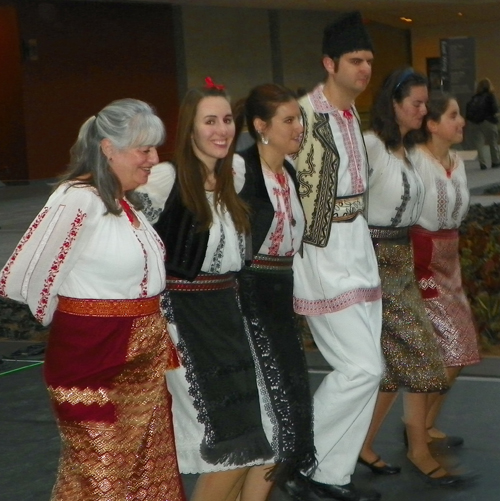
x=313 y=307
x=351 y=145
x=144 y=283
x=277 y=236
x=127 y=209
x=131 y=216
x=6 y=271
x=57 y=263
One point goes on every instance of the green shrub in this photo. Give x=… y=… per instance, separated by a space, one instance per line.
x=480 y=262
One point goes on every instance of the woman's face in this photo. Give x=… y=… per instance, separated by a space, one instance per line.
x=213 y=129
x=412 y=109
x=133 y=165
x=450 y=127
x=284 y=130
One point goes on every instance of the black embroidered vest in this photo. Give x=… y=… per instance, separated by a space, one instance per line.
x=186 y=247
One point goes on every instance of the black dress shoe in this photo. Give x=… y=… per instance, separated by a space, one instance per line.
x=448 y=479
x=495 y=166
x=386 y=469
x=345 y=492
x=298 y=489
x=482 y=167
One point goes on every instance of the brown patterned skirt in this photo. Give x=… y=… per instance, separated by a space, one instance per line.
x=437 y=266
x=412 y=358
x=104 y=368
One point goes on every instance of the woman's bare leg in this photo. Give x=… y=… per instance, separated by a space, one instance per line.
x=382 y=408
x=415 y=407
x=235 y=494
x=435 y=403
x=256 y=487
x=219 y=485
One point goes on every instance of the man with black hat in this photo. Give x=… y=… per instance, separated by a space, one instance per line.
x=337 y=286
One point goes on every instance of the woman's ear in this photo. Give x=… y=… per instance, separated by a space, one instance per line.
x=107 y=148
x=432 y=126
x=260 y=125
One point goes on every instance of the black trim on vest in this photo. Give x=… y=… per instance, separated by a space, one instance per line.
x=186 y=247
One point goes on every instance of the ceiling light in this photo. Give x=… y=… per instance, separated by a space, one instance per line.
x=406 y=19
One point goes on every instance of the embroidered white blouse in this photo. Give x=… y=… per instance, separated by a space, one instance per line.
x=284 y=237
x=396 y=191
x=73 y=249
x=446 y=194
x=226 y=247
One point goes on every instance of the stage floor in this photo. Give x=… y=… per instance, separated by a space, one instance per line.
x=29 y=447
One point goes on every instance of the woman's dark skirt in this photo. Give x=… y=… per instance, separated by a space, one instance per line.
x=266 y=296
x=215 y=350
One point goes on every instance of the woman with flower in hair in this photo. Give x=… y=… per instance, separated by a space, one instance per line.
x=218 y=418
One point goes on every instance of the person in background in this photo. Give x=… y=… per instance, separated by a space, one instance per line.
x=266 y=181
x=91 y=266
x=412 y=359
x=336 y=280
x=481 y=114
x=435 y=245
x=218 y=417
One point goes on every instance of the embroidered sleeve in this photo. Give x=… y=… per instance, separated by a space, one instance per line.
x=155 y=192
x=49 y=249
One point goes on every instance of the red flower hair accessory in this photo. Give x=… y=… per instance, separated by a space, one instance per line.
x=209 y=84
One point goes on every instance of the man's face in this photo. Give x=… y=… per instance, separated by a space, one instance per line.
x=351 y=72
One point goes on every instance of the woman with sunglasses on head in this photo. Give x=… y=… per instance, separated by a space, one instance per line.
x=435 y=245
x=396 y=197
x=266 y=181
x=218 y=420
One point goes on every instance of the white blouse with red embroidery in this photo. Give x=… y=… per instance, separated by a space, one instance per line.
x=285 y=234
x=447 y=198
x=74 y=249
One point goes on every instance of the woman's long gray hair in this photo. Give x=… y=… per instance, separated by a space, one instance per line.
x=127 y=123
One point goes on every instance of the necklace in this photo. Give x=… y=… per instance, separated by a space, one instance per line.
x=269 y=167
x=446 y=164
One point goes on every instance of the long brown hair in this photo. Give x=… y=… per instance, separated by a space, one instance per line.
x=396 y=87
x=191 y=171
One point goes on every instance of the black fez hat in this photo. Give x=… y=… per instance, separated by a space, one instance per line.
x=346 y=34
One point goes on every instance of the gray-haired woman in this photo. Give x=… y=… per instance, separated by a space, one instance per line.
x=91 y=265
